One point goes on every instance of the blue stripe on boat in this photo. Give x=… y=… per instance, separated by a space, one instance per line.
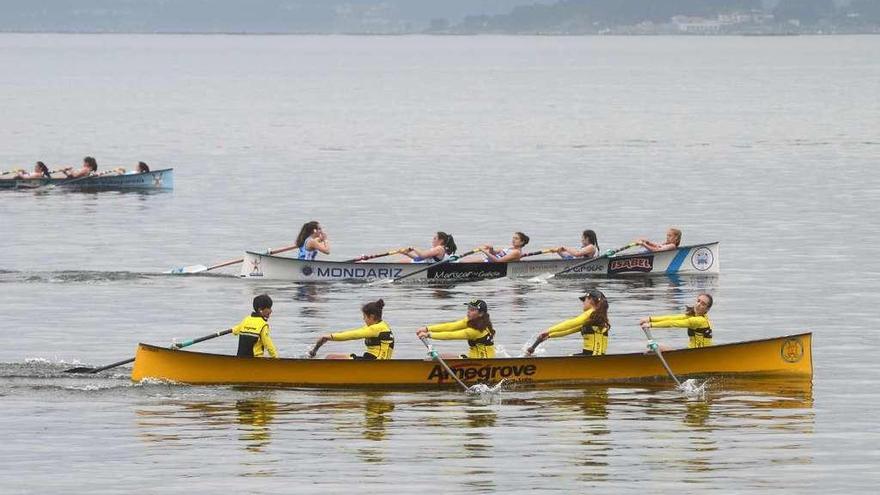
x=678 y=260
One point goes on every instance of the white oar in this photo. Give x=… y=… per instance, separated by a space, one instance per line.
x=656 y=348
x=203 y=268
x=436 y=355
x=606 y=254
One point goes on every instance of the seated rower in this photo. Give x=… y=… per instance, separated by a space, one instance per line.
x=89 y=167
x=310 y=240
x=512 y=253
x=593 y=325
x=476 y=328
x=589 y=247
x=673 y=239
x=377 y=335
x=142 y=168
x=695 y=319
x=442 y=246
x=253 y=331
x=41 y=171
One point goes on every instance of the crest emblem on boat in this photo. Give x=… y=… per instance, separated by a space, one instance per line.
x=256 y=271
x=702 y=259
x=307 y=270
x=157 y=180
x=792 y=350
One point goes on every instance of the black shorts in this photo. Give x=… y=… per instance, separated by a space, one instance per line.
x=367 y=356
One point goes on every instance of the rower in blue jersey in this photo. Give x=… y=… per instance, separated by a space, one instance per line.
x=311 y=239
x=512 y=253
x=442 y=247
x=589 y=247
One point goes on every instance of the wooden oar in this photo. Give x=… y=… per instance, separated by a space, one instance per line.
x=203 y=268
x=656 y=348
x=365 y=257
x=535 y=253
x=11 y=171
x=90 y=176
x=432 y=265
x=606 y=254
x=436 y=355
x=177 y=345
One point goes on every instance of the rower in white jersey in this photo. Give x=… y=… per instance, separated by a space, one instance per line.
x=442 y=247
x=311 y=240
x=512 y=253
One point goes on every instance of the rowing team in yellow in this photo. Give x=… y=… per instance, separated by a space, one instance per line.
x=476 y=328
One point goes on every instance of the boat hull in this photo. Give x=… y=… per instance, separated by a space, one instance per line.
x=696 y=259
x=153 y=180
x=788 y=357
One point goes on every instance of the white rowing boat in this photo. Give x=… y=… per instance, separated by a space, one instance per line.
x=695 y=259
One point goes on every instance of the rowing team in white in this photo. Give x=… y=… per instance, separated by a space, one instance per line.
x=89 y=168
x=475 y=327
x=313 y=239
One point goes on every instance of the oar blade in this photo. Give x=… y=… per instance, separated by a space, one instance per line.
x=186 y=270
x=80 y=369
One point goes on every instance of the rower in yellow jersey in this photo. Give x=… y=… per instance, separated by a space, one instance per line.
x=593 y=325
x=476 y=328
x=695 y=319
x=253 y=331
x=376 y=334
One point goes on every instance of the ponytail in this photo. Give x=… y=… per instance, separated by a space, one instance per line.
x=374 y=309
x=448 y=242
x=305 y=232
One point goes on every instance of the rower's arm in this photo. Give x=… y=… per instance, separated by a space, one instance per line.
x=569 y=326
x=322 y=246
x=429 y=253
x=353 y=334
x=448 y=327
x=464 y=334
x=267 y=342
x=513 y=255
x=683 y=321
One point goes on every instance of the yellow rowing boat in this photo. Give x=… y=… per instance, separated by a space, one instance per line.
x=788 y=356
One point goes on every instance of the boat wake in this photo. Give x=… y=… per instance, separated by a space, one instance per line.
x=487 y=393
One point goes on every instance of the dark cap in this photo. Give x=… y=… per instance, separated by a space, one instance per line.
x=262 y=301
x=478 y=304
x=593 y=294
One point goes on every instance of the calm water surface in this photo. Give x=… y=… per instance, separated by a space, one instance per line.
x=768 y=145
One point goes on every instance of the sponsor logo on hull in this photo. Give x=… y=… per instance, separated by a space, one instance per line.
x=468 y=271
x=363 y=273
x=469 y=372
x=642 y=264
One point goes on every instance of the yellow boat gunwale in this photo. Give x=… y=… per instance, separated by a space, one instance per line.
x=784 y=356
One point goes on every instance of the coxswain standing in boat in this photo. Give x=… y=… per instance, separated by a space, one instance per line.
x=253 y=331
x=41 y=171
x=512 y=253
x=673 y=239
x=311 y=240
x=89 y=167
x=593 y=325
x=442 y=247
x=589 y=247
x=376 y=334
x=476 y=328
x=695 y=319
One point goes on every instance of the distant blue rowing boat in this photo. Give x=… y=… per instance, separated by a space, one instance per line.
x=153 y=180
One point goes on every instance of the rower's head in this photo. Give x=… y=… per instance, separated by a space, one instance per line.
x=589 y=237
x=445 y=240
x=476 y=307
x=519 y=239
x=91 y=163
x=41 y=168
x=673 y=236
x=308 y=229
x=594 y=298
x=143 y=168
x=702 y=305
x=372 y=311
x=263 y=305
